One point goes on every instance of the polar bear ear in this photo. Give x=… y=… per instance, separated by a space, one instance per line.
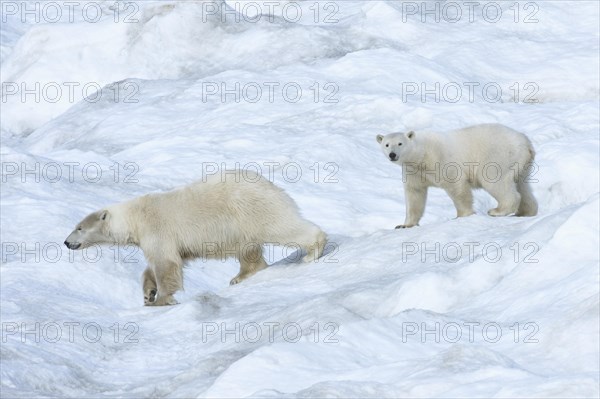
x=379 y=138
x=410 y=134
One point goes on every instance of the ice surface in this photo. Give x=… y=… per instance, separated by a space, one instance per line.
x=367 y=312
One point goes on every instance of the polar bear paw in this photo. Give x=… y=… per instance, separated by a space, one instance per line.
x=237 y=279
x=163 y=301
x=498 y=212
x=405 y=226
x=150 y=297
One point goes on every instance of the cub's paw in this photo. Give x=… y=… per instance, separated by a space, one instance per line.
x=150 y=297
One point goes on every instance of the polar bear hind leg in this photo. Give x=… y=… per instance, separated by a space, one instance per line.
x=528 y=205
x=251 y=261
x=505 y=192
x=314 y=244
x=305 y=236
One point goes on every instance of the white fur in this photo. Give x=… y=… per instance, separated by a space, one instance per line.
x=230 y=216
x=490 y=156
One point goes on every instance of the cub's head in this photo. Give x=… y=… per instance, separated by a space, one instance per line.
x=91 y=230
x=396 y=145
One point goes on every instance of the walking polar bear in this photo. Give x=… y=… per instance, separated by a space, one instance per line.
x=489 y=156
x=217 y=218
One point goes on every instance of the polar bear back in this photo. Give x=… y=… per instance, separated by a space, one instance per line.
x=228 y=210
x=488 y=143
x=480 y=151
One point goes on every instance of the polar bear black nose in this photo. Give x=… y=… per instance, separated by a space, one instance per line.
x=392 y=156
x=72 y=245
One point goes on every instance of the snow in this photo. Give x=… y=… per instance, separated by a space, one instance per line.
x=471 y=307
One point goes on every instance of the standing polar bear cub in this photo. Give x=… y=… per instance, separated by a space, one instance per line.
x=490 y=156
x=221 y=217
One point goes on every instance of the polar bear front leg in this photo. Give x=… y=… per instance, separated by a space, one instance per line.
x=462 y=196
x=169 y=279
x=416 y=197
x=149 y=286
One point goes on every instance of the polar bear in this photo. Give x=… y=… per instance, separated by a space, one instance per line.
x=229 y=214
x=489 y=156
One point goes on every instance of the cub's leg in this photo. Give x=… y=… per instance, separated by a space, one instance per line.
x=251 y=261
x=416 y=197
x=149 y=286
x=462 y=196
x=169 y=279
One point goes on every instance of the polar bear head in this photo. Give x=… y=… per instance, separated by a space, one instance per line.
x=93 y=229
x=396 y=146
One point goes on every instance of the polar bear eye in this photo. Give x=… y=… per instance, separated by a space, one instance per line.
x=387 y=145
x=79 y=228
x=399 y=143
